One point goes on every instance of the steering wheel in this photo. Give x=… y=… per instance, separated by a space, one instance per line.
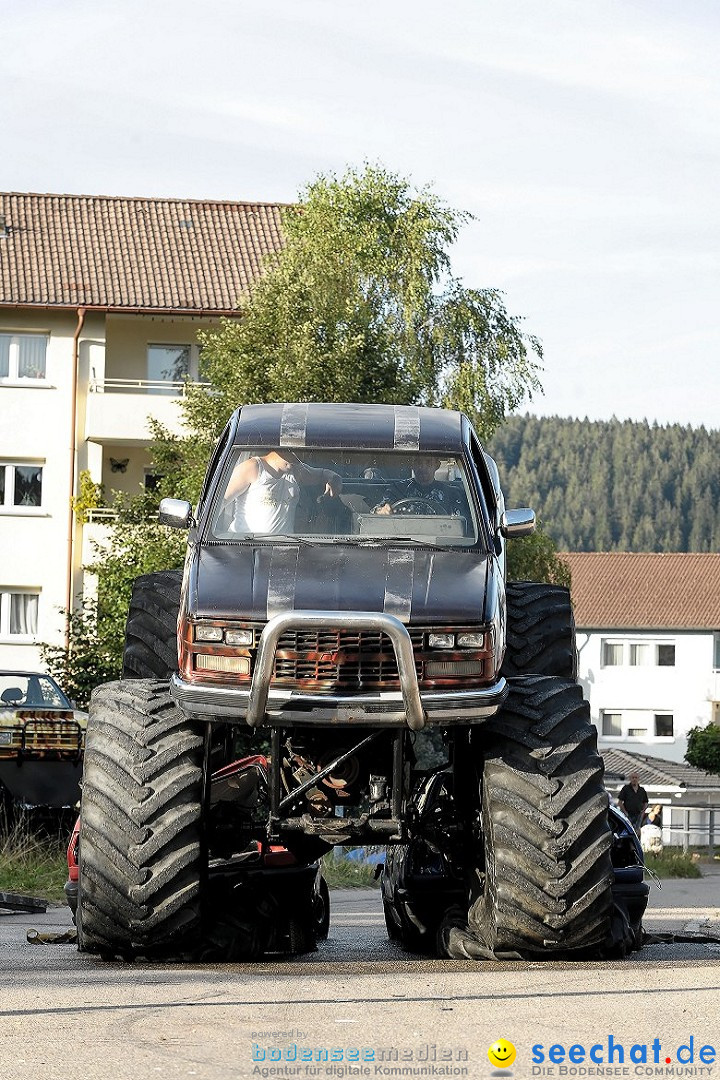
x=415 y=504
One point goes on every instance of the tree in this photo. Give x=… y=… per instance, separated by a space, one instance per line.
x=536 y=558
x=359 y=305
x=703 y=749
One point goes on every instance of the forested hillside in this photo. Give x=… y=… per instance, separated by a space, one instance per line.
x=616 y=485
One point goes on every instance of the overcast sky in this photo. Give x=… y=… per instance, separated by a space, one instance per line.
x=583 y=135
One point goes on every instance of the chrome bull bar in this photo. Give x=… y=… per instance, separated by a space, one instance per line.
x=335 y=620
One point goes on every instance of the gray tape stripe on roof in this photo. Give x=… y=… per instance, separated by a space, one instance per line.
x=293 y=423
x=282 y=580
x=399 y=575
x=407 y=427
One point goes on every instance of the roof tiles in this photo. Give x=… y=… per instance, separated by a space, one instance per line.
x=644 y=590
x=620 y=764
x=152 y=254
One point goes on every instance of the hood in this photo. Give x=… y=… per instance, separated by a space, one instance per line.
x=417 y=586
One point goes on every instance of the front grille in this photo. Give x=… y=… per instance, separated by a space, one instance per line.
x=323 y=660
x=327 y=659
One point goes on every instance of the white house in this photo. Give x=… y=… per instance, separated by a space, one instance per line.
x=648 y=637
x=101 y=301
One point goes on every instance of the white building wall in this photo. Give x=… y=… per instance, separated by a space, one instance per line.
x=35 y=422
x=639 y=693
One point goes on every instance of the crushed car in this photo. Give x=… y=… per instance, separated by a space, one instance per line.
x=42 y=741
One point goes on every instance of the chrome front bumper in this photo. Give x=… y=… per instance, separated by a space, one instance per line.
x=394 y=708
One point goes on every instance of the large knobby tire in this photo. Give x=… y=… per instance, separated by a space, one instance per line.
x=141 y=863
x=151 y=631
x=540 y=631
x=547 y=881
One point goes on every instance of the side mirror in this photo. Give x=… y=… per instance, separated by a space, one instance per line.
x=517 y=523
x=176 y=513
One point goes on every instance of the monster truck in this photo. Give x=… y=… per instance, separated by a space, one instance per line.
x=42 y=738
x=344 y=599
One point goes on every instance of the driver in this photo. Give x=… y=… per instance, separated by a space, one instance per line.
x=421 y=485
x=264 y=491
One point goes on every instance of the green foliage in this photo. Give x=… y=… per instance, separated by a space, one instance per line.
x=343 y=873
x=92 y=657
x=536 y=558
x=669 y=865
x=614 y=486
x=360 y=305
x=137 y=545
x=703 y=749
x=32 y=864
x=90 y=497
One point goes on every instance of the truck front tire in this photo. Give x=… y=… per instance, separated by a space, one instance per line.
x=546 y=884
x=141 y=863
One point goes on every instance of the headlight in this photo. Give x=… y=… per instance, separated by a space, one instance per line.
x=441 y=641
x=471 y=641
x=208 y=633
x=239 y=637
x=238 y=664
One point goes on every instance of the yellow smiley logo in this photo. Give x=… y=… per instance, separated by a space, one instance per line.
x=501 y=1053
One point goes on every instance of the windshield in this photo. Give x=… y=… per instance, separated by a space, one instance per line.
x=30 y=691
x=345 y=495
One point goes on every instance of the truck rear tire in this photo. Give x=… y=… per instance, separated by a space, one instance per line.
x=151 y=631
x=141 y=863
x=540 y=631
x=546 y=886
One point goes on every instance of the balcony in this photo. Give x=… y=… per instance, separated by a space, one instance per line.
x=118 y=410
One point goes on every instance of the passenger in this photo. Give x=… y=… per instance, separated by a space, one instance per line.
x=263 y=492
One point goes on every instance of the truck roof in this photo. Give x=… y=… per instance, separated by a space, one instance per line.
x=376 y=427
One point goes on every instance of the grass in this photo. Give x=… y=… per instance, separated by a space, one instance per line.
x=32 y=863
x=343 y=873
x=669 y=865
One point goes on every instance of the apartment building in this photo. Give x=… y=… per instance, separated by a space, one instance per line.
x=648 y=636
x=101 y=301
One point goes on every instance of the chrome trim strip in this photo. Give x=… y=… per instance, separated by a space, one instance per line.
x=399 y=577
x=384 y=708
x=293 y=424
x=407 y=427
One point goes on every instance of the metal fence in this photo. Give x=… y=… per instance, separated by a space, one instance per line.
x=691 y=827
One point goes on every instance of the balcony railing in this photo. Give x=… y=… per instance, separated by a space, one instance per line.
x=142 y=386
x=101 y=515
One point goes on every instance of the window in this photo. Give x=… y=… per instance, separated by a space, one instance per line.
x=612 y=653
x=23 y=356
x=666 y=655
x=664 y=725
x=611 y=723
x=716 y=650
x=167 y=364
x=18 y=613
x=20 y=485
x=635 y=724
x=639 y=654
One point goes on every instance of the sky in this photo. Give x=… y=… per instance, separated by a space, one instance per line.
x=582 y=135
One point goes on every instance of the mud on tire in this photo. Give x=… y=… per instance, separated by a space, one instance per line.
x=546 y=886
x=151 y=630
x=540 y=631
x=140 y=848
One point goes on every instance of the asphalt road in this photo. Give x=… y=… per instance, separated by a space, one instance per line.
x=70 y=1016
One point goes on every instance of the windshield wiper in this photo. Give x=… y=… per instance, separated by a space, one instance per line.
x=387 y=541
x=286 y=538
